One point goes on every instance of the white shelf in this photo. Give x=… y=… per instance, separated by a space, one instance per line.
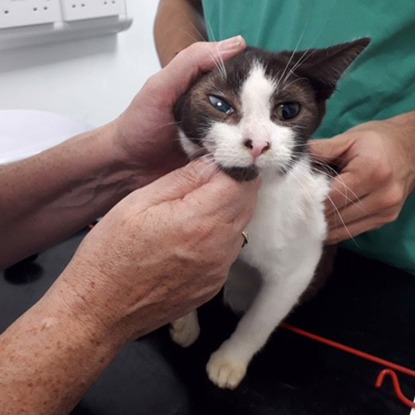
x=41 y=34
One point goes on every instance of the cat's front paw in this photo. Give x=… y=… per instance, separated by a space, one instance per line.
x=185 y=330
x=225 y=372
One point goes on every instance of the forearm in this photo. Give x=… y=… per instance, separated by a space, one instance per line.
x=177 y=25
x=49 y=358
x=406 y=122
x=50 y=196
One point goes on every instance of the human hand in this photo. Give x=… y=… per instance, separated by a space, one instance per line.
x=161 y=252
x=146 y=131
x=377 y=174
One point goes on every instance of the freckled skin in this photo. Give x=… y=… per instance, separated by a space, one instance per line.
x=106 y=297
x=126 y=278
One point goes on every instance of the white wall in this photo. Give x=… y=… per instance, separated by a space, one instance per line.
x=91 y=80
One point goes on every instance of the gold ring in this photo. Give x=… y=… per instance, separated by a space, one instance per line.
x=245 y=234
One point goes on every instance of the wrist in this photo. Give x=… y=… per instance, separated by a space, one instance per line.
x=79 y=315
x=93 y=304
x=120 y=162
x=404 y=125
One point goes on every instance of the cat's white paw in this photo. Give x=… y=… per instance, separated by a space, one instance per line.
x=185 y=330
x=225 y=372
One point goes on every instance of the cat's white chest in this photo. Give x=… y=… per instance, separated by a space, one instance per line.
x=288 y=219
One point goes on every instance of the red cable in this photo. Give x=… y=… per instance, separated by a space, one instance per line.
x=366 y=356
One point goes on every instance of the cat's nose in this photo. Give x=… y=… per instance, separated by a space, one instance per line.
x=257 y=147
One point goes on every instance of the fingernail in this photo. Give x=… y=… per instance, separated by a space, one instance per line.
x=205 y=168
x=231 y=43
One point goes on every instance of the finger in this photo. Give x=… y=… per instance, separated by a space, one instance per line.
x=230 y=200
x=351 y=230
x=331 y=150
x=346 y=189
x=191 y=62
x=175 y=185
x=201 y=183
x=372 y=204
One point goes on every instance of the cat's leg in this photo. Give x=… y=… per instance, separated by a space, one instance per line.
x=185 y=330
x=227 y=366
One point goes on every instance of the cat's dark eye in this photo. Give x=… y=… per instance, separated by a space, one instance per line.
x=287 y=110
x=221 y=105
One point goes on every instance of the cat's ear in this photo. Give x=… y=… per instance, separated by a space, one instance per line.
x=324 y=67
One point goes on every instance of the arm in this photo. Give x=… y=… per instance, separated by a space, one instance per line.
x=135 y=271
x=178 y=24
x=185 y=224
x=50 y=196
x=377 y=174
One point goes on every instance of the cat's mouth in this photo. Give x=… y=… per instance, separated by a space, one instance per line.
x=241 y=174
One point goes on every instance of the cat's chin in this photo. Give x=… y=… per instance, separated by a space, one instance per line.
x=241 y=174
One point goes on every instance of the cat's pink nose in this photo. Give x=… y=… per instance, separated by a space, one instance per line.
x=256 y=148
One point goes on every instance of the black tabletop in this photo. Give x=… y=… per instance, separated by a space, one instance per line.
x=365 y=305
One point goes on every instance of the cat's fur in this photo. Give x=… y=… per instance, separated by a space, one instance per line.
x=288 y=227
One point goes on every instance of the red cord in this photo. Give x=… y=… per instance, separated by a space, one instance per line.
x=395 y=381
x=366 y=356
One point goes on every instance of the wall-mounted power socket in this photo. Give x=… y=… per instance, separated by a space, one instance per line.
x=15 y=13
x=90 y=9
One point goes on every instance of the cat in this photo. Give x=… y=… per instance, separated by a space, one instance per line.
x=254 y=115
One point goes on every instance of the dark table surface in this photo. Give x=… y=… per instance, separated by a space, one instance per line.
x=365 y=305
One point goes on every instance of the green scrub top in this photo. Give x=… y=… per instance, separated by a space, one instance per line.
x=379 y=85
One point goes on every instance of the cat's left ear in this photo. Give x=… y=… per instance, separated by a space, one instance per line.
x=324 y=67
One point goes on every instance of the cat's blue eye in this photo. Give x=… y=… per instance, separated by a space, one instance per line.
x=288 y=110
x=220 y=104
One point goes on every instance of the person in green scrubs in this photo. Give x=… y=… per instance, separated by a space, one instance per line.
x=370 y=120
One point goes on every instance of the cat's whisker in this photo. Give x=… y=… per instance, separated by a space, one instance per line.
x=282 y=76
x=286 y=85
x=220 y=64
x=303 y=58
x=202 y=36
x=159 y=127
x=339 y=216
x=209 y=161
x=335 y=176
x=301 y=185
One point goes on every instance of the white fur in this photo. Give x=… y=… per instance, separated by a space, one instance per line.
x=286 y=231
x=255 y=125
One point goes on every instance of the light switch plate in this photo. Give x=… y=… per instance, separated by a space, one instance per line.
x=90 y=9
x=16 y=13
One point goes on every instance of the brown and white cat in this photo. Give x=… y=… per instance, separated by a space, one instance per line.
x=253 y=115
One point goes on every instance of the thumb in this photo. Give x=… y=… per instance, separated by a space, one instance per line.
x=330 y=150
x=177 y=184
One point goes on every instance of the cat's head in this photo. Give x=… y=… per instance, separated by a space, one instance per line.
x=257 y=111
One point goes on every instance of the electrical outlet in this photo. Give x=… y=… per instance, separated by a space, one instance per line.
x=90 y=9
x=15 y=13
